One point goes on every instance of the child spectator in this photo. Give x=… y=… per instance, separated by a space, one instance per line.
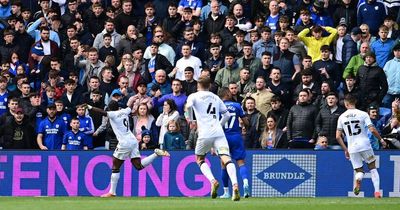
x=107 y=49
x=86 y=124
x=322 y=143
x=173 y=139
x=62 y=114
x=75 y=139
x=147 y=142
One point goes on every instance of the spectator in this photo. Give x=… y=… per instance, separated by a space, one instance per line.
x=85 y=124
x=349 y=88
x=382 y=47
x=139 y=98
x=366 y=36
x=189 y=85
x=169 y=113
x=214 y=21
x=279 y=112
x=163 y=48
x=147 y=24
x=245 y=85
x=143 y=120
x=23 y=37
x=326 y=121
x=265 y=68
x=349 y=48
x=304 y=21
x=133 y=76
x=91 y=65
x=372 y=13
x=300 y=122
x=125 y=18
x=295 y=46
x=320 y=15
x=124 y=91
x=230 y=73
x=273 y=137
x=237 y=47
x=96 y=101
x=328 y=69
x=264 y=44
x=51 y=130
x=172 y=19
x=106 y=84
x=107 y=49
x=248 y=60
x=17 y=132
x=391 y=24
x=356 y=61
x=307 y=81
x=3 y=95
x=372 y=82
x=287 y=61
x=316 y=41
x=38 y=34
x=96 y=18
x=262 y=97
x=108 y=28
x=257 y=123
x=392 y=71
x=173 y=139
x=177 y=96
x=228 y=32
x=322 y=143
x=345 y=13
x=146 y=141
x=242 y=22
x=71 y=97
x=272 y=20
x=187 y=60
x=379 y=124
x=8 y=47
x=277 y=86
x=159 y=83
x=215 y=62
x=75 y=139
x=131 y=40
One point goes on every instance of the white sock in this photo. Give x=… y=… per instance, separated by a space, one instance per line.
x=245 y=182
x=375 y=179
x=359 y=175
x=148 y=160
x=205 y=169
x=232 y=173
x=226 y=190
x=114 y=183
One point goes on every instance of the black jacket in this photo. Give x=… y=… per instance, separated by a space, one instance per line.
x=213 y=26
x=372 y=83
x=346 y=14
x=161 y=62
x=70 y=106
x=300 y=122
x=281 y=116
x=326 y=122
x=349 y=49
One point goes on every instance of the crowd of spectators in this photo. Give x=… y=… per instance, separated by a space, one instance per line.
x=288 y=62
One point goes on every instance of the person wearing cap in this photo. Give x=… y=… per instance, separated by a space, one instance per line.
x=371 y=81
x=17 y=132
x=345 y=13
x=51 y=130
x=392 y=71
x=349 y=48
x=319 y=14
x=140 y=97
x=372 y=13
x=382 y=47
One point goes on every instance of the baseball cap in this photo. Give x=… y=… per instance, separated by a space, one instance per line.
x=356 y=31
x=19 y=110
x=396 y=47
x=116 y=91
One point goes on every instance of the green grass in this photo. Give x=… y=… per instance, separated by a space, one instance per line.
x=122 y=203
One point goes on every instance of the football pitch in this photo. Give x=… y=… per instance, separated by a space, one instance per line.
x=171 y=203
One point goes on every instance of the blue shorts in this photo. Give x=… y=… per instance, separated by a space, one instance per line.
x=236 y=146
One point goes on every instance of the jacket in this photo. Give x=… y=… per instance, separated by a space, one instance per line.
x=300 y=122
x=382 y=50
x=126 y=44
x=174 y=141
x=326 y=122
x=213 y=26
x=263 y=100
x=226 y=75
x=255 y=64
x=349 y=49
x=372 y=83
x=249 y=87
x=257 y=123
x=14 y=136
x=115 y=39
x=353 y=65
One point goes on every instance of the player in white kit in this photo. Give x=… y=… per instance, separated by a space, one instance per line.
x=207 y=108
x=127 y=147
x=353 y=124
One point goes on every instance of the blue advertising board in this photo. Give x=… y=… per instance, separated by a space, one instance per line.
x=278 y=173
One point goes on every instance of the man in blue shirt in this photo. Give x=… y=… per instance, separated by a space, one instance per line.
x=75 y=139
x=51 y=130
x=233 y=133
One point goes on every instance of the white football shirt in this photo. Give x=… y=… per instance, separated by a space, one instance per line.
x=207 y=108
x=354 y=123
x=119 y=121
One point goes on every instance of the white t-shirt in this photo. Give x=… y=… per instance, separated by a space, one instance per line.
x=207 y=107
x=354 y=123
x=119 y=121
x=193 y=62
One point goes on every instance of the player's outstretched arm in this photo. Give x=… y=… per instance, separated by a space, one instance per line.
x=95 y=109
